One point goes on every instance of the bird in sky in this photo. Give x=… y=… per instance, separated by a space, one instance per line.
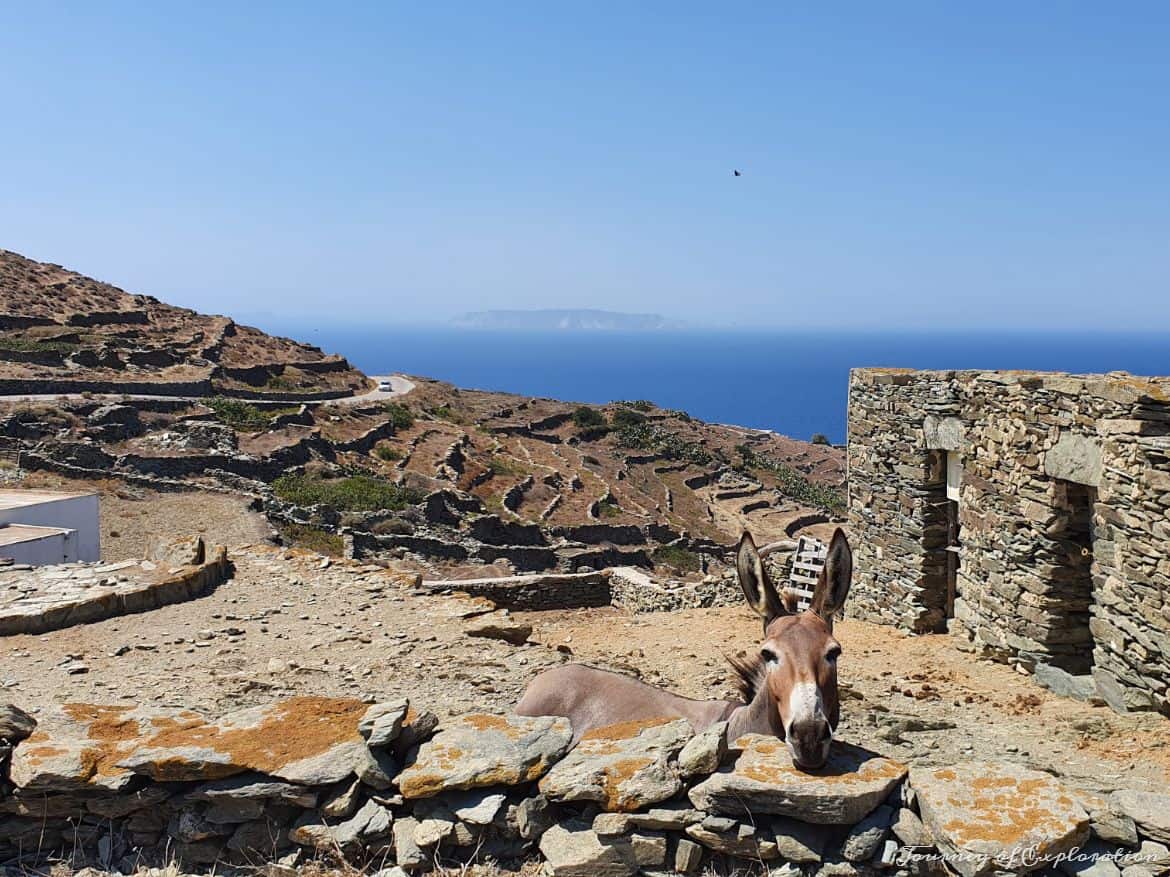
x=737 y=173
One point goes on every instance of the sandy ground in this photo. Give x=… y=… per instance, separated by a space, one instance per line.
x=290 y=622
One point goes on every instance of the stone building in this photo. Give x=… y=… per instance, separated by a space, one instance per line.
x=1026 y=513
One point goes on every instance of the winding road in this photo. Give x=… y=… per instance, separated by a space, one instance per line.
x=399 y=386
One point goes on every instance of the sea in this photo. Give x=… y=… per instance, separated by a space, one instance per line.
x=795 y=383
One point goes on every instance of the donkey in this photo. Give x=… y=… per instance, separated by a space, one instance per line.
x=788 y=690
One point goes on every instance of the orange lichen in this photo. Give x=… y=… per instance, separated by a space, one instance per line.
x=616 y=799
x=625 y=730
x=1010 y=812
x=485 y=722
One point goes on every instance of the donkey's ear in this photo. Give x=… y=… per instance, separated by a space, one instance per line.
x=754 y=581
x=833 y=584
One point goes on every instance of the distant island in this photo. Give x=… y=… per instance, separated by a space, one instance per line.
x=564 y=319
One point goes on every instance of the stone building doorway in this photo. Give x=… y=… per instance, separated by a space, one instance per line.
x=940 y=536
x=1072 y=575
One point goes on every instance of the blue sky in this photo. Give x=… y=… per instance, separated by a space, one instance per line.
x=904 y=164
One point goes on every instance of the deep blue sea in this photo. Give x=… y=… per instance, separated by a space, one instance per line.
x=794 y=383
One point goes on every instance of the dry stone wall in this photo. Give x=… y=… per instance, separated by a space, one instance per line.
x=1063 y=520
x=312 y=778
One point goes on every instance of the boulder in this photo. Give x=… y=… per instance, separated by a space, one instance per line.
x=763 y=779
x=866 y=837
x=1150 y=810
x=622 y=767
x=1107 y=821
x=478 y=750
x=499 y=625
x=797 y=841
x=575 y=850
x=688 y=855
x=15 y=723
x=737 y=839
x=704 y=752
x=988 y=816
x=170 y=551
x=382 y=722
x=303 y=740
x=477 y=807
x=371 y=822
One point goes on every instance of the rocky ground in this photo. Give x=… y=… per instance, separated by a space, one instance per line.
x=291 y=622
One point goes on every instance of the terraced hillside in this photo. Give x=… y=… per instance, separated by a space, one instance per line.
x=458 y=479
x=61 y=331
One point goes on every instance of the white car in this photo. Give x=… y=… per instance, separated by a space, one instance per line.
x=385 y=387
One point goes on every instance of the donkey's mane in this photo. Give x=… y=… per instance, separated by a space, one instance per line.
x=750 y=673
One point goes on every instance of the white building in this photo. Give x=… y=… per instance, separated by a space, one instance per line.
x=38 y=546
x=37 y=524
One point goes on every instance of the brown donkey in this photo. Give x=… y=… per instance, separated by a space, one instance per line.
x=789 y=689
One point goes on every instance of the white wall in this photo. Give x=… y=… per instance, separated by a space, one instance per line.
x=48 y=549
x=78 y=513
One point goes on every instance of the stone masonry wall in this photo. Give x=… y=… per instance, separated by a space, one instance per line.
x=313 y=780
x=1063 y=515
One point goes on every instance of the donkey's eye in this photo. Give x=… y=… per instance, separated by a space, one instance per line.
x=768 y=656
x=833 y=654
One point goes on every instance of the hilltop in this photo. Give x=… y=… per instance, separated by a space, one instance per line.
x=573 y=319
x=447 y=480
x=68 y=332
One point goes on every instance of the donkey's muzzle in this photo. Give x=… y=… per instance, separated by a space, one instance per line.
x=809 y=741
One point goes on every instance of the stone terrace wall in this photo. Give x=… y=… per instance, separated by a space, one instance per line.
x=1030 y=444
x=312 y=778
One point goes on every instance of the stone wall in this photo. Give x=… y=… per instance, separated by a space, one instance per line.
x=636 y=591
x=1063 y=511
x=535 y=592
x=315 y=779
x=34 y=601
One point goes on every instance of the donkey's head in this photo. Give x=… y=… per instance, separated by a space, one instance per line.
x=798 y=657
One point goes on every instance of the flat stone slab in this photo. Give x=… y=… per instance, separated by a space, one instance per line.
x=480 y=750
x=623 y=767
x=988 y=816
x=53 y=597
x=303 y=740
x=1150 y=810
x=763 y=779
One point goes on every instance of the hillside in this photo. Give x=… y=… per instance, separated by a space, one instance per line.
x=70 y=332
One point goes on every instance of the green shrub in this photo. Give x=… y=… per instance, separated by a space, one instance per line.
x=609 y=508
x=32 y=345
x=389 y=453
x=400 y=416
x=791 y=482
x=624 y=417
x=594 y=433
x=660 y=440
x=588 y=418
x=239 y=414
x=313 y=539
x=819 y=438
x=506 y=466
x=355 y=493
x=678 y=558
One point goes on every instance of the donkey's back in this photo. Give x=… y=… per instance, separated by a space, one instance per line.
x=592 y=698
